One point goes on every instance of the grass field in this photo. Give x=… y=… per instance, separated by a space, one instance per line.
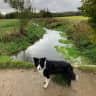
x=7 y=25
x=72 y=18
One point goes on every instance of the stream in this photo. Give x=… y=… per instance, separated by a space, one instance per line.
x=45 y=47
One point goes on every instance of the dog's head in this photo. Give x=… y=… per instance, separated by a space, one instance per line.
x=39 y=63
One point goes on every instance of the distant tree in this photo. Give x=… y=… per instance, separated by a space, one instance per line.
x=45 y=13
x=89 y=8
x=12 y=15
x=18 y=4
x=1 y=16
x=23 y=11
x=49 y=14
x=69 y=13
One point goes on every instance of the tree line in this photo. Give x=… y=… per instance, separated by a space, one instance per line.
x=41 y=14
x=88 y=8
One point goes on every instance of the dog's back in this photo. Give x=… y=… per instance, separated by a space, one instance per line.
x=60 y=67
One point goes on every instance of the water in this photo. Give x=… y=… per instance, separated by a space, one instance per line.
x=43 y=48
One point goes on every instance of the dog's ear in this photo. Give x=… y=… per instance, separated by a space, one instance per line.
x=35 y=59
x=44 y=58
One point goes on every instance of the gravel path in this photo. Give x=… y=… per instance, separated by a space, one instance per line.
x=29 y=83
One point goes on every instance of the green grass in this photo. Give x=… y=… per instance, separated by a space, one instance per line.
x=8 y=25
x=65 y=41
x=8 y=28
x=69 y=53
x=7 y=63
x=72 y=18
x=12 y=41
x=88 y=68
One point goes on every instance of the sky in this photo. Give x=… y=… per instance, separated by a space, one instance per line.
x=52 y=5
x=5 y=8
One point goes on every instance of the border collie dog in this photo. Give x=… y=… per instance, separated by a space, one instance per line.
x=48 y=68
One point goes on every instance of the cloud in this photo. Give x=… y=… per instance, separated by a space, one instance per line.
x=5 y=7
x=52 y=5
x=57 y=5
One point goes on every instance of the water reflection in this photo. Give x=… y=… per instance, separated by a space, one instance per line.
x=43 y=48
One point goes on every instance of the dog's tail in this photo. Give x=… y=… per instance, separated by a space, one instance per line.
x=73 y=75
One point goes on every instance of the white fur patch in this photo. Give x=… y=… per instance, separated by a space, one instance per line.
x=46 y=83
x=39 y=68
x=77 y=77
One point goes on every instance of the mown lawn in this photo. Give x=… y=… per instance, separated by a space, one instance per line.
x=72 y=18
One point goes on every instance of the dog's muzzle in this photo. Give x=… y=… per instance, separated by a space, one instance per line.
x=39 y=68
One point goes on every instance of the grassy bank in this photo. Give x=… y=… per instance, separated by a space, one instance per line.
x=13 y=41
x=8 y=63
x=87 y=68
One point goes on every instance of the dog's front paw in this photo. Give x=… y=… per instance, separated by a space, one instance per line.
x=77 y=77
x=45 y=86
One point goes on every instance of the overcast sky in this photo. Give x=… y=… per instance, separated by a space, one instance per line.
x=52 y=5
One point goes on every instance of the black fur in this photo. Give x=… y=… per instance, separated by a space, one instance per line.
x=56 y=67
x=36 y=61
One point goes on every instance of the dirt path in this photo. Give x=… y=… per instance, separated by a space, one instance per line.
x=29 y=83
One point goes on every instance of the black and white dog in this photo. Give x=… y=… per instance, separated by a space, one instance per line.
x=48 y=68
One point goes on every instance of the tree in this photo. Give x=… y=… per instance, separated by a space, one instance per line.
x=1 y=16
x=89 y=8
x=18 y=4
x=23 y=8
x=45 y=13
